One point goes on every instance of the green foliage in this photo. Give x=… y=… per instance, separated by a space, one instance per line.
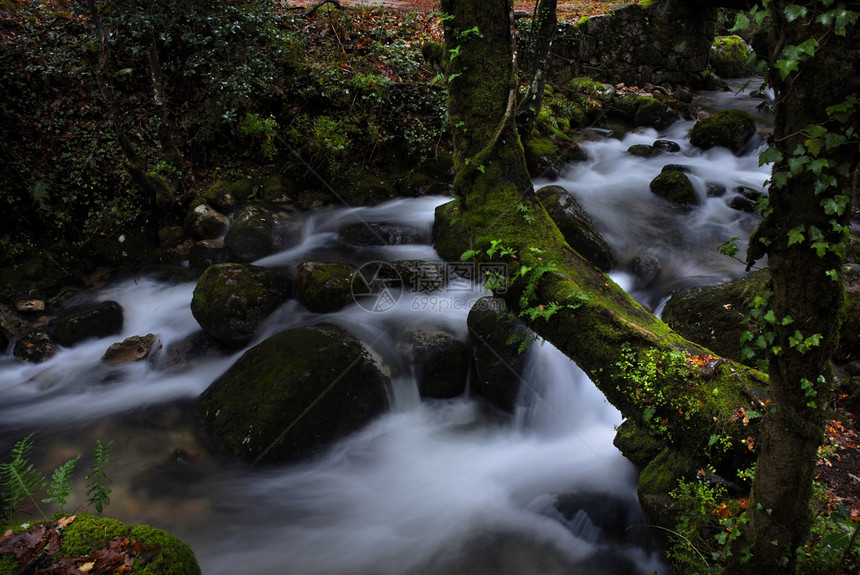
x=19 y=479
x=265 y=129
x=61 y=483
x=97 y=490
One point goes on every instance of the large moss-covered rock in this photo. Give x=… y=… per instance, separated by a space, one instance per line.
x=84 y=538
x=294 y=394
x=730 y=129
x=441 y=361
x=676 y=187
x=496 y=357
x=712 y=315
x=329 y=286
x=205 y=223
x=576 y=226
x=729 y=57
x=231 y=300
x=256 y=233
x=99 y=320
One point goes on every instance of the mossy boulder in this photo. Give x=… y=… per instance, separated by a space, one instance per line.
x=643 y=151
x=730 y=129
x=713 y=315
x=256 y=233
x=84 y=538
x=293 y=395
x=497 y=360
x=100 y=320
x=729 y=56
x=676 y=187
x=205 y=223
x=226 y=195
x=231 y=300
x=325 y=287
x=207 y=253
x=576 y=226
x=441 y=361
x=655 y=114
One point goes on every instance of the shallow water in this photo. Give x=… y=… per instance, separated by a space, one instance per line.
x=432 y=487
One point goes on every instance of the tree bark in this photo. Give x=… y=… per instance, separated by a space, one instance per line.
x=805 y=289
x=673 y=389
x=543 y=29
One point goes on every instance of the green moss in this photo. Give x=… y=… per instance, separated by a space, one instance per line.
x=730 y=129
x=676 y=187
x=168 y=555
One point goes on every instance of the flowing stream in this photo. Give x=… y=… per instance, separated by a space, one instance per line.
x=432 y=487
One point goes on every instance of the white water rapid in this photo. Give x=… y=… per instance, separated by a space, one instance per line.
x=432 y=487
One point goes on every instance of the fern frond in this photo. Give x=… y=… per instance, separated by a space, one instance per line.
x=61 y=483
x=20 y=480
x=97 y=490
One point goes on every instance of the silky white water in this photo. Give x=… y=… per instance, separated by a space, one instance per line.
x=432 y=487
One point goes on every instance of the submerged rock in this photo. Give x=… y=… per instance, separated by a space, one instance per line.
x=383 y=234
x=294 y=394
x=441 y=361
x=231 y=301
x=730 y=129
x=497 y=359
x=35 y=347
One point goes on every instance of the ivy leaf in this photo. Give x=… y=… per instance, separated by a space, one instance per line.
x=820 y=248
x=795 y=235
x=742 y=23
x=786 y=67
x=814 y=145
x=793 y=12
x=769 y=156
x=796 y=164
x=808 y=47
x=815 y=166
x=833 y=140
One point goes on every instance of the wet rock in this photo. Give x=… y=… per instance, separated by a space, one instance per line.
x=190 y=349
x=684 y=169
x=575 y=225
x=231 y=300
x=729 y=56
x=420 y=276
x=746 y=199
x=30 y=306
x=645 y=268
x=329 y=286
x=712 y=316
x=12 y=324
x=730 y=129
x=440 y=359
x=207 y=253
x=675 y=187
x=293 y=395
x=643 y=151
x=134 y=348
x=667 y=146
x=715 y=190
x=100 y=320
x=495 y=345
x=256 y=233
x=655 y=114
x=35 y=347
x=383 y=234
x=205 y=223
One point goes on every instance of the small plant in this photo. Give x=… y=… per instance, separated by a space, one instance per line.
x=20 y=480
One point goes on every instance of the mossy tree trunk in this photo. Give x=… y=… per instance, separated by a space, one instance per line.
x=671 y=388
x=542 y=32
x=803 y=266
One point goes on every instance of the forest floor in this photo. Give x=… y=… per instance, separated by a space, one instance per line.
x=566 y=11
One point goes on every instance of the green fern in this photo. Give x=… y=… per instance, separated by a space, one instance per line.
x=20 y=480
x=61 y=483
x=97 y=490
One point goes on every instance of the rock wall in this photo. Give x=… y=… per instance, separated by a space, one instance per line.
x=666 y=42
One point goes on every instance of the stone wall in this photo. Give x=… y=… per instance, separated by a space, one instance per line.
x=667 y=42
